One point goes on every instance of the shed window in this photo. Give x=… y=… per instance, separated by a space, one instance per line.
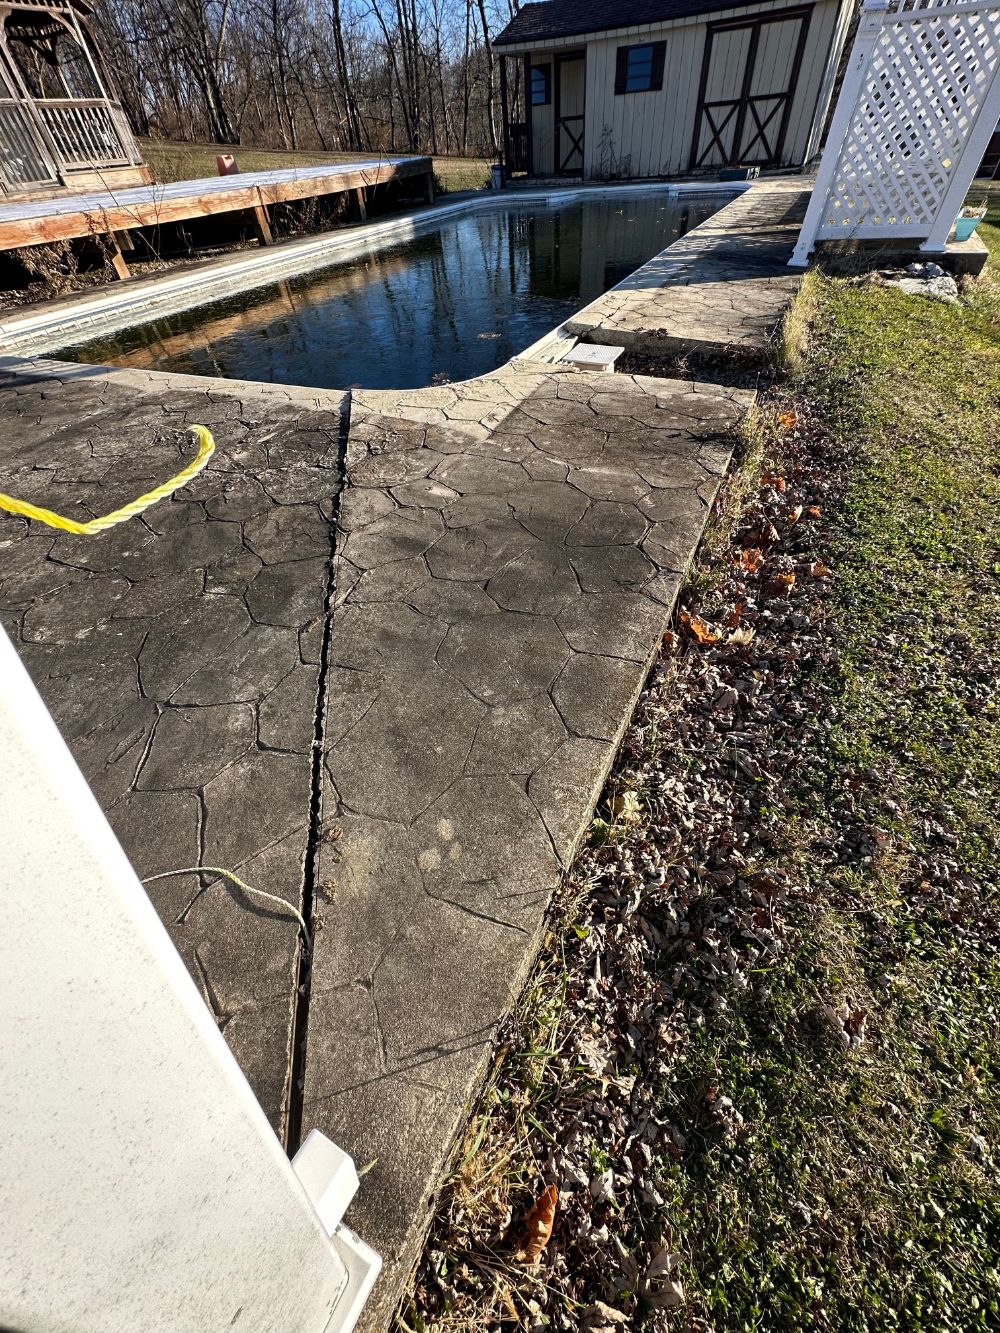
x=541 y=85
x=639 y=69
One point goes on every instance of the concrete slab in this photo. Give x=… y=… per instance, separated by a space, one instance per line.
x=178 y=653
x=482 y=692
x=723 y=287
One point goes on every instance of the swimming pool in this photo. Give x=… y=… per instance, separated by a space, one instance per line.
x=454 y=301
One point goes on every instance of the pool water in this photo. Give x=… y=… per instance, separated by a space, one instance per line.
x=453 y=302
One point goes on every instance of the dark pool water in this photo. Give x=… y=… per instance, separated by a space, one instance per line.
x=451 y=303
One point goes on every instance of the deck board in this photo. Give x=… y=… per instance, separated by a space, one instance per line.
x=69 y=217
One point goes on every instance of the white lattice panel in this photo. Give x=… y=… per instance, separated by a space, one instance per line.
x=923 y=76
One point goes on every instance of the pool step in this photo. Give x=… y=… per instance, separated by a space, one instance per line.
x=592 y=356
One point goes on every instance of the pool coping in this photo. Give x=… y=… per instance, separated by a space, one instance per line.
x=43 y=328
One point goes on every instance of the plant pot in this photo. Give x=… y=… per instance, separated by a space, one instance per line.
x=964 y=227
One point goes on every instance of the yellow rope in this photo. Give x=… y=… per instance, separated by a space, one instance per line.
x=205 y=450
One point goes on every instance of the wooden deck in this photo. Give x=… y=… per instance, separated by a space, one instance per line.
x=114 y=213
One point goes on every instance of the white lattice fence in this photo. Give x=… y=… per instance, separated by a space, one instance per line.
x=919 y=102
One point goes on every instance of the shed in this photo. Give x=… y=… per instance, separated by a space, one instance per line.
x=633 y=89
x=61 y=125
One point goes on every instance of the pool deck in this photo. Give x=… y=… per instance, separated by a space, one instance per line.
x=721 y=288
x=112 y=213
x=377 y=659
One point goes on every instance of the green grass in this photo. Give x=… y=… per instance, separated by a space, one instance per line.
x=191 y=161
x=893 y=1148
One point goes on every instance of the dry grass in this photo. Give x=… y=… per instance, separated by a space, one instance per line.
x=191 y=161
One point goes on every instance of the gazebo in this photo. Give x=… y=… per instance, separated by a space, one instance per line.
x=61 y=126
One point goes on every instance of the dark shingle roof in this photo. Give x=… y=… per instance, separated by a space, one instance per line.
x=572 y=18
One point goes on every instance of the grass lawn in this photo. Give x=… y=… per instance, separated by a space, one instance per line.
x=191 y=161
x=760 y=1055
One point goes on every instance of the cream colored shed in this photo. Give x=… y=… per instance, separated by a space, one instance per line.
x=632 y=89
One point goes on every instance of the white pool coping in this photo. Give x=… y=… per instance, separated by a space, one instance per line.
x=57 y=325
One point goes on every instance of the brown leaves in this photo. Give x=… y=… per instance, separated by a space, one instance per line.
x=538 y=1226
x=742 y=636
x=781 y=585
x=788 y=420
x=773 y=480
x=698 y=628
x=818 y=570
x=751 y=560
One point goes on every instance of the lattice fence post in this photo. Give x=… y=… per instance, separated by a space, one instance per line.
x=919 y=103
x=855 y=77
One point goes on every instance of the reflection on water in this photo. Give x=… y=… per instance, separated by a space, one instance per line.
x=452 y=303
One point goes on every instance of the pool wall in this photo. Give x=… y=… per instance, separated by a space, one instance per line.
x=54 y=325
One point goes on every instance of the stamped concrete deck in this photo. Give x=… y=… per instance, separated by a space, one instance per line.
x=509 y=556
x=723 y=287
x=394 y=708
x=180 y=652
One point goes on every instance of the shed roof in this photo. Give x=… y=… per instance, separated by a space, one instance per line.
x=571 y=18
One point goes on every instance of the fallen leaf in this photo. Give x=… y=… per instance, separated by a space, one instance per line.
x=601 y=1315
x=786 y=420
x=774 y=481
x=813 y=511
x=781 y=584
x=699 y=629
x=818 y=570
x=744 y=635
x=627 y=806
x=734 y=617
x=668 y=1297
x=795 y=514
x=538 y=1225
x=751 y=559
x=669 y=641
x=662 y=1263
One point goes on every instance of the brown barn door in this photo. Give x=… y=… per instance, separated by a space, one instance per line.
x=570 y=97
x=748 y=79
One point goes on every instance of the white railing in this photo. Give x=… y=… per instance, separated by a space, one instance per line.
x=24 y=161
x=919 y=102
x=86 y=133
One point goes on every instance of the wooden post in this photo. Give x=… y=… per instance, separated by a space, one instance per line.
x=359 y=195
x=125 y=241
x=263 y=225
x=430 y=184
x=504 y=110
x=528 y=119
x=117 y=258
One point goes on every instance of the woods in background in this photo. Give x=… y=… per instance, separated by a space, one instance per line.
x=352 y=75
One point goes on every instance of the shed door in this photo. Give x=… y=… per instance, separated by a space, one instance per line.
x=570 y=86
x=748 y=80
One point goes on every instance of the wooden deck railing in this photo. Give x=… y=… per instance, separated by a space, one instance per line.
x=87 y=133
